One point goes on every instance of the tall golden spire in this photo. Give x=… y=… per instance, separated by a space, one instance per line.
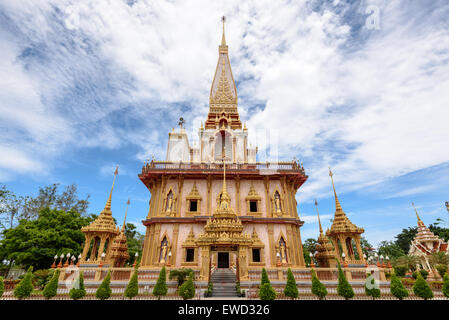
x=224 y=170
x=107 y=207
x=126 y=213
x=420 y=223
x=318 y=214
x=223 y=40
x=337 y=202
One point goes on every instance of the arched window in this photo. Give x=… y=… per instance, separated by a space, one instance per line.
x=223 y=146
x=349 y=247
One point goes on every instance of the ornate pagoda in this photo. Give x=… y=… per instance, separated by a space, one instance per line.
x=213 y=205
x=345 y=235
x=425 y=243
x=325 y=251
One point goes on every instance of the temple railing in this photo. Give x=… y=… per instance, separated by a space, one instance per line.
x=268 y=166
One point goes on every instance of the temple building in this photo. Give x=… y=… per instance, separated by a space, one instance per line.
x=213 y=205
x=425 y=243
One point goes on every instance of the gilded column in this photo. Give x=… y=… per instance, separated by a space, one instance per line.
x=302 y=262
x=293 y=249
x=359 y=249
x=267 y=197
x=243 y=263
x=205 y=259
x=175 y=244
x=101 y=249
x=237 y=196
x=180 y=184
x=272 y=245
x=157 y=235
x=93 y=254
x=86 y=247
x=146 y=247
x=161 y=195
x=209 y=187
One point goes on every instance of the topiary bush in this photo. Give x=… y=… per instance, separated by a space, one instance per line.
x=264 y=279
x=372 y=287
x=422 y=289
x=442 y=269
x=445 y=288
x=344 y=289
x=78 y=291
x=51 y=288
x=318 y=288
x=180 y=275
x=210 y=288
x=187 y=289
x=423 y=273
x=291 y=290
x=400 y=271
x=397 y=289
x=266 y=292
x=104 y=290
x=2 y=287
x=160 y=289
x=25 y=286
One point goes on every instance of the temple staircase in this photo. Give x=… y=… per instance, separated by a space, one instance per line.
x=224 y=281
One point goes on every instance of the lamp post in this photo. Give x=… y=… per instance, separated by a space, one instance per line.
x=79 y=259
x=101 y=260
x=278 y=259
x=60 y=261
x=168 y=260
x=54 y=262
x=312 y=263
x=345 y=263
x=366 y=262
x=135 y=260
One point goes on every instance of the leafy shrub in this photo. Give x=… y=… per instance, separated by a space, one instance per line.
x=344 y=289
x=160 y=289
x=2 y=286
x=78 y=291
x=267 y=292
x=446 y=286
x=187 y=289
x=400 y=271
x=291 y=290
x=104 y=290
x=25 y=286
x=51 y=288
x=421 y=288
x=210 y=288
x=372 y=287
x=180 y=275
x=42 y=277
x=397 y=288
x=442 y=269
x=423 y=273
x=318 y=288
x=264 y=279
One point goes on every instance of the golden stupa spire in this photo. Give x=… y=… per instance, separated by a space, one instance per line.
x=223 y=40
x=107 y=207
x=318 y=214
x=420 y=223
x=126 y=213
x=337 y=202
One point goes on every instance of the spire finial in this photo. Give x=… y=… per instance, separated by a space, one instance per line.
x=337 y=202
x=126 y=213
x=318 y=214
x=224 y=169
x=107 y=207
x=420 y=223
x=223 y=40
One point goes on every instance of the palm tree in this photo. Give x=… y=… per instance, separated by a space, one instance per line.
x=437 y=258
x=407 y=260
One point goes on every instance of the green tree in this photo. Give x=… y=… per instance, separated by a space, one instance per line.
x=439 y=258
x=266 y=291
x=104 y=290
x=365 y=246
x=25 y=286
x=2 y=287
x=318 y=288
x=409 y=261
x=400 y=270
x=35 y=242
x=344 y=289
x=306 y=255
x=264 y=279
x=422 y=289
x=442 y=233
x=180 y=275
x=291 y=290
x=187 y=289
x=372 y=287
x=404 y=238
x=442 y=269
x=310 y=244
x=135 y=241
x=390 y=249
x=446 y=285
x=160 y=289
x=78 y=291
x=51 y=288
x=397 y=288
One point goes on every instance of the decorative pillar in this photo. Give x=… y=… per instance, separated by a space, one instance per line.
x=243 y=263
x=101 y=249
x=359 y=249
x=209 y=187
x=86 y=247
x=174 y=249
x=93 y=254
x=267 y=197
x=205 y=262
x=237 y=196
x=156 y=245
x=272 y=246
x=180 y=184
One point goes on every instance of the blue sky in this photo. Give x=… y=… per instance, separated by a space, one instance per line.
x=361 y=86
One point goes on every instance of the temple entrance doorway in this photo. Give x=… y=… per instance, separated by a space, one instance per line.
x=223 y=260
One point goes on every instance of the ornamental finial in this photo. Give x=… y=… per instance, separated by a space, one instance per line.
x=223 y=40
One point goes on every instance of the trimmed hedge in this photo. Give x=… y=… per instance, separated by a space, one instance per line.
x=160 y=289
x=25 y=286
x=104 y=290
x=318 y=288
x=291 y=290
x=78 y=291
x=187 y=289
x=344 y=289
x=51 y=288
x=421 y=288
x=2 y=286
x=397 y=289
x=446 y=286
